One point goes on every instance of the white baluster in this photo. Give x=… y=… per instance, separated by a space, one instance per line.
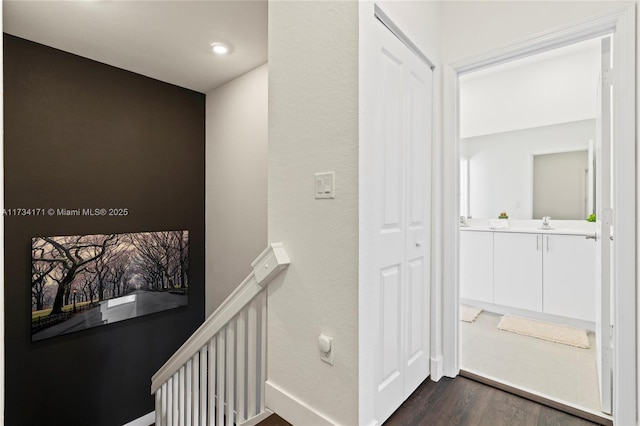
x=262 y=297
x=181 y=397
x=252 y=337
x=196 y=388
x=175 y=406
x=164 y=388
x=203 y=386
x=231 y=389
x=211 y=370
x=170 y=401
x=241 y=324
x=188 y=390
x=220 y=375
x=159 y=407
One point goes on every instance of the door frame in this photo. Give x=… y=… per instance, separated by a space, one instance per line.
x=623 y=22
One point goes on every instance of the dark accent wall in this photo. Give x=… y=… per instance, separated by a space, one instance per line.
x=81 y=134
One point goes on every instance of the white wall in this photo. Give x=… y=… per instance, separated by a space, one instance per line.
x=313 y=127
x=546 y=89
x=236 y=182
x=500 y=168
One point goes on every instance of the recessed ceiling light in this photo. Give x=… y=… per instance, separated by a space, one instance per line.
x=220 y=48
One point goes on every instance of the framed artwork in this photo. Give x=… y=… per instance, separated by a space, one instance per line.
x=84 y=281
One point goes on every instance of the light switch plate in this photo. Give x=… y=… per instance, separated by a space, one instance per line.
x=325 y=185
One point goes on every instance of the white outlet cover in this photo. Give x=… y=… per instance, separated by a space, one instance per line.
x=324 y=343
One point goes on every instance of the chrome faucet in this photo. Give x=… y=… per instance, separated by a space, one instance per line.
x=463 y=221
x=545 y=223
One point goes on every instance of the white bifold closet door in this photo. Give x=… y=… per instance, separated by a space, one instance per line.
x=402 y=218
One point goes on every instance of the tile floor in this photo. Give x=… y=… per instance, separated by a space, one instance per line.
x=553 y=369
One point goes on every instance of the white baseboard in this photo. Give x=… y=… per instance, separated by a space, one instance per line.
x=292 y=409
x=146 y=420
x=437 y=368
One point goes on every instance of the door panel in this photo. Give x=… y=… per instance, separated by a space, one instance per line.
x=390 y=327
x=415 y=317
x=417 y=345
x=418 y=86
x=393 y=159
x=402 y=158
x=391 y=235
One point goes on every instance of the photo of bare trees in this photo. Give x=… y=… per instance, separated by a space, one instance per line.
x=83 y=281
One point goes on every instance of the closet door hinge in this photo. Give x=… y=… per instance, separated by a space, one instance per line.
x=611 y=336
x=607 y=216
x=607 y=78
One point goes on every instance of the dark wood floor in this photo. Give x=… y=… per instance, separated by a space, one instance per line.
x=464 y=402
x=274 y=420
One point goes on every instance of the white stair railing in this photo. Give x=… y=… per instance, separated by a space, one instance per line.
x=217 y=376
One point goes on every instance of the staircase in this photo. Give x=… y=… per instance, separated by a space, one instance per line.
x=217 y=376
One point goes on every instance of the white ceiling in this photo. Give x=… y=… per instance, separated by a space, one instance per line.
x=166 y=40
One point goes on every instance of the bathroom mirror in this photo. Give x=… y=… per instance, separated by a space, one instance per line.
x=561 y=185
x=530 y=173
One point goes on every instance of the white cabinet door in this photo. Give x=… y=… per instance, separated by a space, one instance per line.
x=476 y=265
x=517 y=270
x=569 y=285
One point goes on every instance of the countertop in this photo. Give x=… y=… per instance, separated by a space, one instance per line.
x=531 y=230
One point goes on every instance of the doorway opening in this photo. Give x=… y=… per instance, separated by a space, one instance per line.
x=530 y=291
x=622 y=349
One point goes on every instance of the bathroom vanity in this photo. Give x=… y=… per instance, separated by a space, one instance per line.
x=525 y=270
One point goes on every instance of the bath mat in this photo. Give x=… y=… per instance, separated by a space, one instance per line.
x=557 y=333
x=469 y=313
